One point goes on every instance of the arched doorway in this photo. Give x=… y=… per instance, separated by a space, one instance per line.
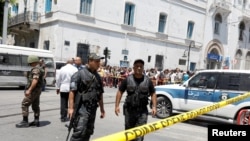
x=237 y=60
x=213 y=59
x=247 y=64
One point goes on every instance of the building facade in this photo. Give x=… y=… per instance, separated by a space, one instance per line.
x=188 y=34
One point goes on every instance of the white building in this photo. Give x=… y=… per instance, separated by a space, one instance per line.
x=158 y=31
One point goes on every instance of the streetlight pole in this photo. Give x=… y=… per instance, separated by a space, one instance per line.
x=190 y=45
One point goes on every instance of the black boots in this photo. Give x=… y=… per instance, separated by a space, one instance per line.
x=23 y=124
x=35 y=122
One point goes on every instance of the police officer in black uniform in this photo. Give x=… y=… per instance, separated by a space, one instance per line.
x=139 y=87
x=86 y=80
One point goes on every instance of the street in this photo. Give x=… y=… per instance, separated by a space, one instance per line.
x=52 y=129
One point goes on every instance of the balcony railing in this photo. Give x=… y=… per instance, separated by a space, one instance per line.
x=224 y=5
x=29 y=17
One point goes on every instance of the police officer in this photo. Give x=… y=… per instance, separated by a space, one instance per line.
x=78 y=63
x=86 y=84
x=32 y=92
x=139 y=87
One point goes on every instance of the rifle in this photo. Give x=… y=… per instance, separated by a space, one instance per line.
x=77 y=107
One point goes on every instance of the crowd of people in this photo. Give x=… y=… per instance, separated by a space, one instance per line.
x=113 y=75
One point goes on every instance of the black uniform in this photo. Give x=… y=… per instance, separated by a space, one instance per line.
x=135 y=106
x=80 y=81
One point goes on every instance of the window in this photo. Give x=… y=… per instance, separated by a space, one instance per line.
x=3 y=59
x=10 y=60
x=241 y=30
x=199 y=80
x=218 y=21
x=182 y=62
x=125 y=58
x=247 y=63
x=83 y=51
x=46 y=45
x=162 y=23
x=190 y=29
x=159 y=62
x=49 y=63
x=48 y=6
x=244 y=82
x=229 y=81
x=212 y=80
x=238 y=58
x=206 y=80
x=15 y=8
x=66 y=43
x=85 y=7
x=129 y=14
x=35 y=14
x=244 y=4
x=59 y=65
x=35 y=5
x=192 y=66
x=24 y=59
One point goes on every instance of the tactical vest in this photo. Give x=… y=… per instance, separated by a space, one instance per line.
x=137 y=94
x=30 y=77
x=94 y=91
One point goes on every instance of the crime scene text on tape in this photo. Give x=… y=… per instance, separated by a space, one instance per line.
x=154 y=126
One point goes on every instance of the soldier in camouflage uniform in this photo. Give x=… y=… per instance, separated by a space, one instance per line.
x=32 y=92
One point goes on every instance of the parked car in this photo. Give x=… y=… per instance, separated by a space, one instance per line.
x=204 y=88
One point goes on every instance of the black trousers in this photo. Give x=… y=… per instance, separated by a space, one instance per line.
x=86 y=123
x=135 y=118
x=64 y=104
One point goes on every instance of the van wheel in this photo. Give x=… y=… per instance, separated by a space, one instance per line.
x=164 y=107
x=243 y=117
x=22 y=87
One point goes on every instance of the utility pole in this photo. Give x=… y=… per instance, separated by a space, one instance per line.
x=192 y=44
x=5 y=21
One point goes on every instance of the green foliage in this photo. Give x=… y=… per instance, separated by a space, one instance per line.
x=11 y=1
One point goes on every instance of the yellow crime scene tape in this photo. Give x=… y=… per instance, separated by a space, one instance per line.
x=154 y=126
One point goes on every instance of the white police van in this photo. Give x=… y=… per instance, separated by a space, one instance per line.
x=204 y=88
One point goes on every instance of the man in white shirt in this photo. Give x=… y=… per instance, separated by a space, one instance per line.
x=63 y=86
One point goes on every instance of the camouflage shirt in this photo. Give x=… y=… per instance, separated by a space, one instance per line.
x=36 y=73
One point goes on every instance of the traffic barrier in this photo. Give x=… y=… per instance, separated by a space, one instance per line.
x=133 y=133
x=244 y=117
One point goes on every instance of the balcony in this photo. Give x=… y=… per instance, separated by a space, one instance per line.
x=30 y=19
x=245 y=15
x=222 y=6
